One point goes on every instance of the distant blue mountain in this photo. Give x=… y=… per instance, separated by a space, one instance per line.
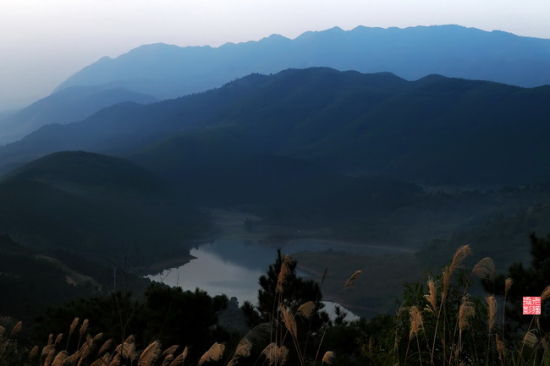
x=166 y=71
x=434 y=130
x=67 y=105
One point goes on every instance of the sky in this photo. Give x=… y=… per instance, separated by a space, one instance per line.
x=42 y=42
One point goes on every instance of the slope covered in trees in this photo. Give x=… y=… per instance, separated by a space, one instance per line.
x=434 y=130
x=68 y=105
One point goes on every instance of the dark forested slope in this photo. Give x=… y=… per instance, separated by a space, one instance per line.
x=434 y=130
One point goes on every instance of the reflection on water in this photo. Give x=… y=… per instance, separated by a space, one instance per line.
x=213 y=272
x=228 y=267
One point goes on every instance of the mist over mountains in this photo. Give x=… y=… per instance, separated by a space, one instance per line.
x=68 y=105
x=167 y=71
x=161 y=71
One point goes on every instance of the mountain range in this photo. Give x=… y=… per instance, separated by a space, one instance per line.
x=436 y=130
x=410 y=149
x=68 y=105
x=168 y=71
x=161 y=71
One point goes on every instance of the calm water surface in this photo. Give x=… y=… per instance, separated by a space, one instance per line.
x=232 y=267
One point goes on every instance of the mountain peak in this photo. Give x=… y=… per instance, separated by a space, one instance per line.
x=168 y=71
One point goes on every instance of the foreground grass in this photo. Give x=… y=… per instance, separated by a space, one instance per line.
x=438 y=323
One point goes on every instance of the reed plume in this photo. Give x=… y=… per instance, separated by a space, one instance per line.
x=275 y=355
x=306 y=310
x=170 y=350
x=86 y=348
x=466 y=311
x=128 y=351
x=459 y=256
x=72 y=359
x=116 y=360
x=545 y=295
x=84 y=327
x=58 y=339
x=284 y=272
x=214 y=354
x=167 y=359
x=491 y=311
x=98 y=337
x=33 y=353
x=16 y=329
x=103 y=361
x=289 y=321
x=416 y=321
x=150 y=354
x=49 y=356
x=485 y=269
x=328 y=358
x=242 y=351
x=180 y=359
x=354 y=276
x=73 y=326
x=431 y=297
x=59 y=360
x=46 y=350
x=501 y=348
x=106 y=346
x=530 y=339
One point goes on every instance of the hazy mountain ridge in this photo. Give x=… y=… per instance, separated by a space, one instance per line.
x=168 y=71
x=98 y=206
x=371 y=124
x=65 y=106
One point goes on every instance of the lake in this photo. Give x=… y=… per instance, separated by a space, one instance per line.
x=232 y=267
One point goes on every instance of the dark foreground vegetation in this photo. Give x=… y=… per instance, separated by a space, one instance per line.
x=313 y=153
x=449 y=320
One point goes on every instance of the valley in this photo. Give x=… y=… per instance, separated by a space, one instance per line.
x=370 y=196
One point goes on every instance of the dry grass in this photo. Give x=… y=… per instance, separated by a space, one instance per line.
x=328 y=358
x=501 y=348
x=416 y=321
x=242 y=351
x=16 y=329
x=284 y=272
x=180 y=359
x=545 y=295
x=491 y=311
x=306 y=310
x=459 y=256
x=84 y=327
x=354 y=276
x=431 y=297
x=466 y=312
x=485 y=268
x=452 y=350
x=150 y=354
x=289 y=321
x=275 y=355
x=530 y=339
x=214 y=354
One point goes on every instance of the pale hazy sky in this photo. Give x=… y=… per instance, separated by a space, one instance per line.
x=42 y=42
